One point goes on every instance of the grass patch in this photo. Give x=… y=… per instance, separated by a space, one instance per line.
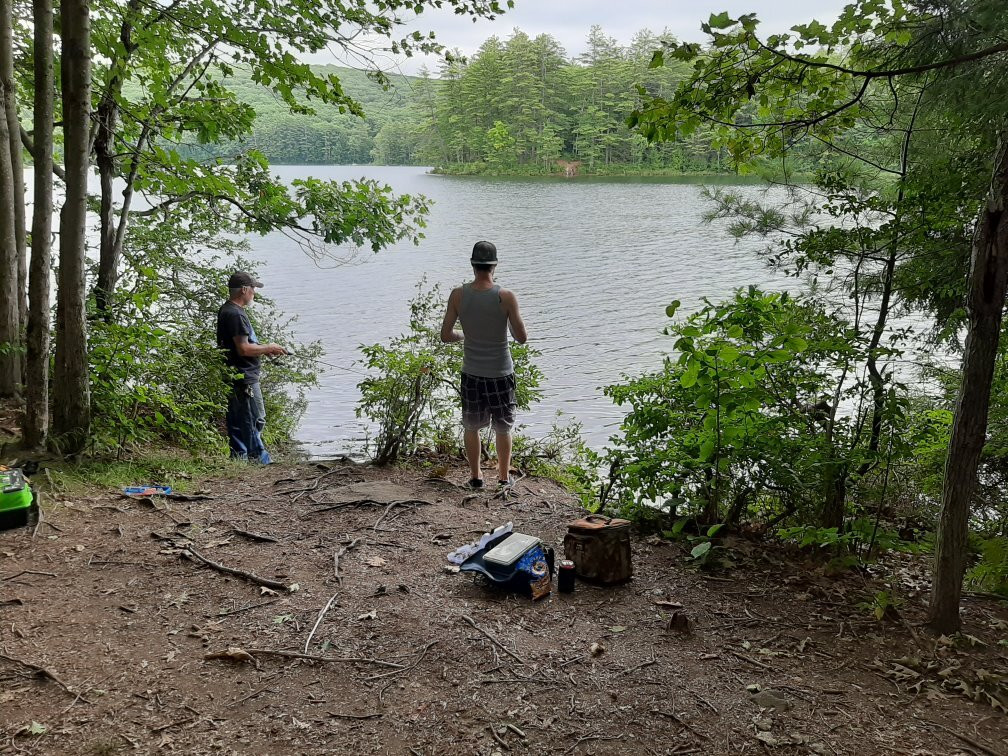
x=181 y=470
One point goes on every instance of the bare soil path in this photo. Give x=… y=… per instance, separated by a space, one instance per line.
x=117 y=636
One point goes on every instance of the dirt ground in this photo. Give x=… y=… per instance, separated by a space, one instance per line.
x=115 y=638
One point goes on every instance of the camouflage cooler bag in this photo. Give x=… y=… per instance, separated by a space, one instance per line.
x=600 y=549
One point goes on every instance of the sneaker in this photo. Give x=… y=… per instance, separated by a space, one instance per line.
x=506 y=483
x=475 y=483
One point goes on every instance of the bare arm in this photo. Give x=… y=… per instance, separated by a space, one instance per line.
x=448 y=333
x=247 y=349
x=515 y=322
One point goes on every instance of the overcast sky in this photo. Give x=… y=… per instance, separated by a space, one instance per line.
x=569 y=21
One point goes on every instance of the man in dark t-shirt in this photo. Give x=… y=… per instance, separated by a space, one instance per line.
x=246 y=413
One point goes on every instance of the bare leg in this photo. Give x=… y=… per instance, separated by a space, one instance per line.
x=503 y=455
x=472 y=450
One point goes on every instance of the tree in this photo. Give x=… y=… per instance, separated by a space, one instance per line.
x=823 y=95
x=71 y=390
x=140 y=128
x=17 y=168
x=36 y=422
x=10 y=294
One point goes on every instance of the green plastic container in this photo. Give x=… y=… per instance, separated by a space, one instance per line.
x=16 y=499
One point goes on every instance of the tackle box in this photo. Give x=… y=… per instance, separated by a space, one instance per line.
x=510 y=549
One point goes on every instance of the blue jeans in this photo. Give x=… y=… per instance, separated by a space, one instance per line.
x=246 y=418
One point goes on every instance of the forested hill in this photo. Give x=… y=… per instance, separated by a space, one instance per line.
x=328 y=136
x=518 y=106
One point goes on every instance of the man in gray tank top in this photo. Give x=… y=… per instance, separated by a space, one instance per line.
x=487 y=312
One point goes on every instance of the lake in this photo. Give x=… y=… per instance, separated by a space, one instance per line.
x=593 y=262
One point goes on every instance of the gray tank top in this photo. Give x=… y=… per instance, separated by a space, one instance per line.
x=485 y=351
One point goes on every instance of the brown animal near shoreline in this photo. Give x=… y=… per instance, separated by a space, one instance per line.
x=570 y=167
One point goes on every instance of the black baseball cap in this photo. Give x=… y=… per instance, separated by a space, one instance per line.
x=484 y=253
x=241 y=278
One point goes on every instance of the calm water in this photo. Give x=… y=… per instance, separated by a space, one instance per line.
x=594 y=263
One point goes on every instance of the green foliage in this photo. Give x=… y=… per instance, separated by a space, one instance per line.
x=882 y=605
x=178 y=469
x=742 y=418
x=991 y=572
x=562 y=456
x=412 y=394
x=856 y=537
x=157 y=376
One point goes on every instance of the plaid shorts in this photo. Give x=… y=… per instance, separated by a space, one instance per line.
x=484 y=399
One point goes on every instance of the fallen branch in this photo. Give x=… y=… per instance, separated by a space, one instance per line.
x=190 y=552
x=493 y=640
x=324 y=659
x=42 y=672
x=964 y=738
x=318 y=620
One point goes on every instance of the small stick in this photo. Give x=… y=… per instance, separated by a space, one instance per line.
x=420 y=657
x=675 y=718
x=393 y=504
x=588 y=738
x=331 y=659
x=493 y=731
x=338 y=554
x=515 y=730
x=243 y=609
x=254 y=693
x=26 y=572
x=274 y=584
x=648 y=663
x=504 y=648
x=254 y=536
x=318 y=620
x=354 y=716
x=744 y=658
x=41 y=519
x=709 y=704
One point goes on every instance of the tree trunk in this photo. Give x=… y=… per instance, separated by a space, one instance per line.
x=17 y=165
x=71 y=394
x=985 y=301
x=10 y=315
x=834 y=497
x=36 y=421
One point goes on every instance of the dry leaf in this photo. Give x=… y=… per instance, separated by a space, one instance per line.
x=596 y=648
x=264 y=591
x=373 y=614
x=375 y=561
